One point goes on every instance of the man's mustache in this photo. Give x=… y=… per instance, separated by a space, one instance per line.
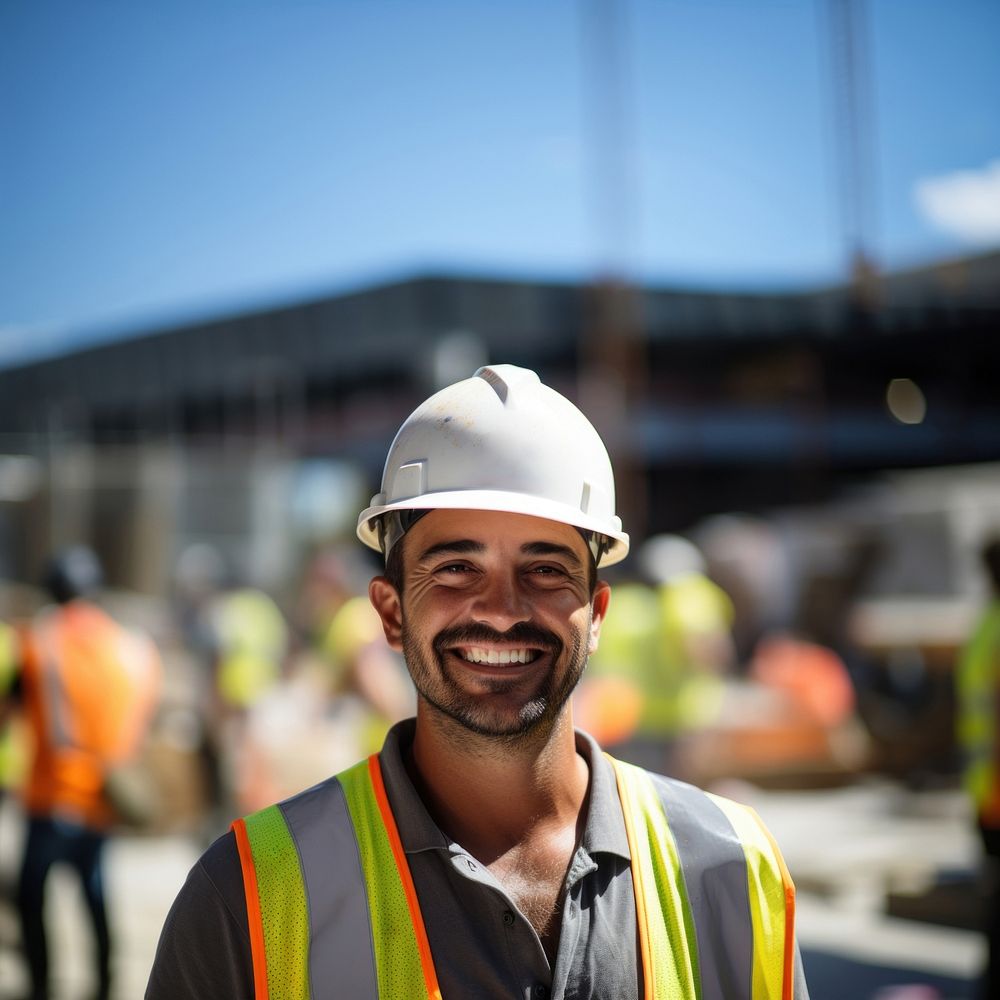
x=521 y=634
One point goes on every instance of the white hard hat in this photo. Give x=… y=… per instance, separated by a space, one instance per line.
x=500 y=441
x=665 y=557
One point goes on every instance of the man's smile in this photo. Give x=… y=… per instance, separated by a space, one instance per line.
x=479 y=646
x=493 y=656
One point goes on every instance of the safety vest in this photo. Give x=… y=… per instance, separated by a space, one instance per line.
x=978 y=691
x=8 y=657
x=11 y=736
x=90 y=687
x=714 y=902
x=647 y=645
x=251 y=636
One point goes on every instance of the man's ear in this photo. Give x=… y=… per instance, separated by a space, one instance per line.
x=385 y=600
x=598 y=609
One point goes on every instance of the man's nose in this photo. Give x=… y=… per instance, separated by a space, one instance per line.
x=501 y=602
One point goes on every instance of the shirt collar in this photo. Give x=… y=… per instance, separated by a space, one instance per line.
x=604 y=831
x=605 y=828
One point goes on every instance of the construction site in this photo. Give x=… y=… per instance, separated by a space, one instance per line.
x=809 y=474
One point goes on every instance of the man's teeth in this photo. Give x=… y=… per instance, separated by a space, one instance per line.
x=499 y=656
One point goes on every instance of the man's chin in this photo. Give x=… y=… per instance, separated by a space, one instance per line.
x=496 y=723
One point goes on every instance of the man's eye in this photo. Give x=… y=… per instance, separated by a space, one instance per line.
x=453 y=569
x=548 y=571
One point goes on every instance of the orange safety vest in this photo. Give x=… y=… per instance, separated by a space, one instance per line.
x=90 y=686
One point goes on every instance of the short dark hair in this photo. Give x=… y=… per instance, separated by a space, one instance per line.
x=394 y=567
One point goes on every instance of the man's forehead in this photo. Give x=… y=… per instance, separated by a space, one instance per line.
x=491 y=529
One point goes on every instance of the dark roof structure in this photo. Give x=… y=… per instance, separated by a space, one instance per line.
x=742 y=398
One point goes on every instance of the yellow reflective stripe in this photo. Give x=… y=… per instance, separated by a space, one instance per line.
x=977 y=678
x=766 y=877
x=8 y=657
x=284 y=910
x=666 y=929
x=401 y=973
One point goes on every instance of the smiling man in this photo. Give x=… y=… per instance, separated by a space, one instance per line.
x=490 y=850
x=499 y=619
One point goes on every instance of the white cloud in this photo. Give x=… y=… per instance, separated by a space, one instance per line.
x=965 y=203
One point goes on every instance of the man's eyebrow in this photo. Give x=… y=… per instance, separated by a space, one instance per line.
x=551 y=549
x=454 y=547
x=463 y=546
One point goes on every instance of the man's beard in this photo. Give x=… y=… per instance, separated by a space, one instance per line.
x=437 y=686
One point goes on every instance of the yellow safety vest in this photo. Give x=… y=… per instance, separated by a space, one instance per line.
x=8 y=657
x=978 y=692
x=13 y=740
x=714 y=903
x=251 y=635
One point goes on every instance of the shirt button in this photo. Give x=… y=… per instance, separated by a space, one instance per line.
x=508 y=917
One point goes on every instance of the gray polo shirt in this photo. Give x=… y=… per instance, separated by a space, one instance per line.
x=482 y=945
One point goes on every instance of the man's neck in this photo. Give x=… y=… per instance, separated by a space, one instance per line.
x=494 y=795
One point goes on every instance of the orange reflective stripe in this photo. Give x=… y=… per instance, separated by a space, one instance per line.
x=254 y=921
x=423 y=946
x=638 y=885
x=787 y=985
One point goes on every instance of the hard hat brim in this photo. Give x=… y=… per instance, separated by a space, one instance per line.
x=505 y=502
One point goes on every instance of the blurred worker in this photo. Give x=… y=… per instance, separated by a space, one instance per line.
x=489 y=850
x=345 y=688
x=978 y=726
x=88 y=687
x=331 y=576
x=346 y=638
x=670 y=643
x=365 y=668
x=335 y=708
x=814 y=677
x=240 y=637
x=250 y=641
x=749 y=559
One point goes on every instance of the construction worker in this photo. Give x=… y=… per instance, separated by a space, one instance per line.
x=489 y=849
x=978 y=731
x=88 y=687
x=332 y=709
x=239 y=635
x=662 y=656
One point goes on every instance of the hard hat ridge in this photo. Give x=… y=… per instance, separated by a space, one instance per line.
x=500 y=440
x=500 y=378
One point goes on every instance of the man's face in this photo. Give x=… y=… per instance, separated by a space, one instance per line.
x=496 y=619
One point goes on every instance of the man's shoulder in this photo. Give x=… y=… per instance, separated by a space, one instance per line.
x=298 y=819
x=204 y=947
x=692 y=810
x=219 y=864
x=664 y=782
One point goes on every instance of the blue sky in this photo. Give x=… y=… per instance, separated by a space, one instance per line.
x=170 y=160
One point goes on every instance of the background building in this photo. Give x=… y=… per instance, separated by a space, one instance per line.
x=265 y=431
